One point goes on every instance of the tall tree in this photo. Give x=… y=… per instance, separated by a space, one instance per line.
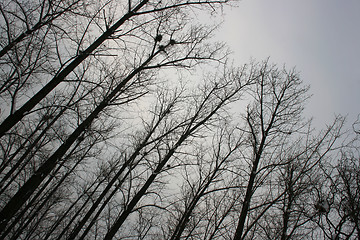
x=275 y=114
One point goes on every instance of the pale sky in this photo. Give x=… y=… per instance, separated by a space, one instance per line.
x=321 y=38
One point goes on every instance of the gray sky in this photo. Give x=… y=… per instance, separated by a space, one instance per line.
x=321 y=38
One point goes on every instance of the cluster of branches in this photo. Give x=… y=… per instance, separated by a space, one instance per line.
x=103 y=136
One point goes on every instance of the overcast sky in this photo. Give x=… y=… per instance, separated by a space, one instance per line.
x=320 y=37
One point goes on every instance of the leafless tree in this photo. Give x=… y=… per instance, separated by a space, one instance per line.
x=275 y=114
x=294 y=186
x=104 y=71
x=108 y=132
x=199 y=210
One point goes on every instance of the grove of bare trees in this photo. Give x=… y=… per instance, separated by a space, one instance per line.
x=126 y=120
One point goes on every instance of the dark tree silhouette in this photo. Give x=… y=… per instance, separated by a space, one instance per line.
x=108 y=131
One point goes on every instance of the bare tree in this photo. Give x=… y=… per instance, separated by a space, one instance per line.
x=107 y=132
x=42 y=152
x=205 y=188
x=275 y=114
x=293 y=185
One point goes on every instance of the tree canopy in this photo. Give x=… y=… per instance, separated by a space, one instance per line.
x=126 y=120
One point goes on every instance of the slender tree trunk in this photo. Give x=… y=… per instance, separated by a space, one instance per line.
x=186 y=216
x=246 y=203
x=121 y=219
x=103 y=205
